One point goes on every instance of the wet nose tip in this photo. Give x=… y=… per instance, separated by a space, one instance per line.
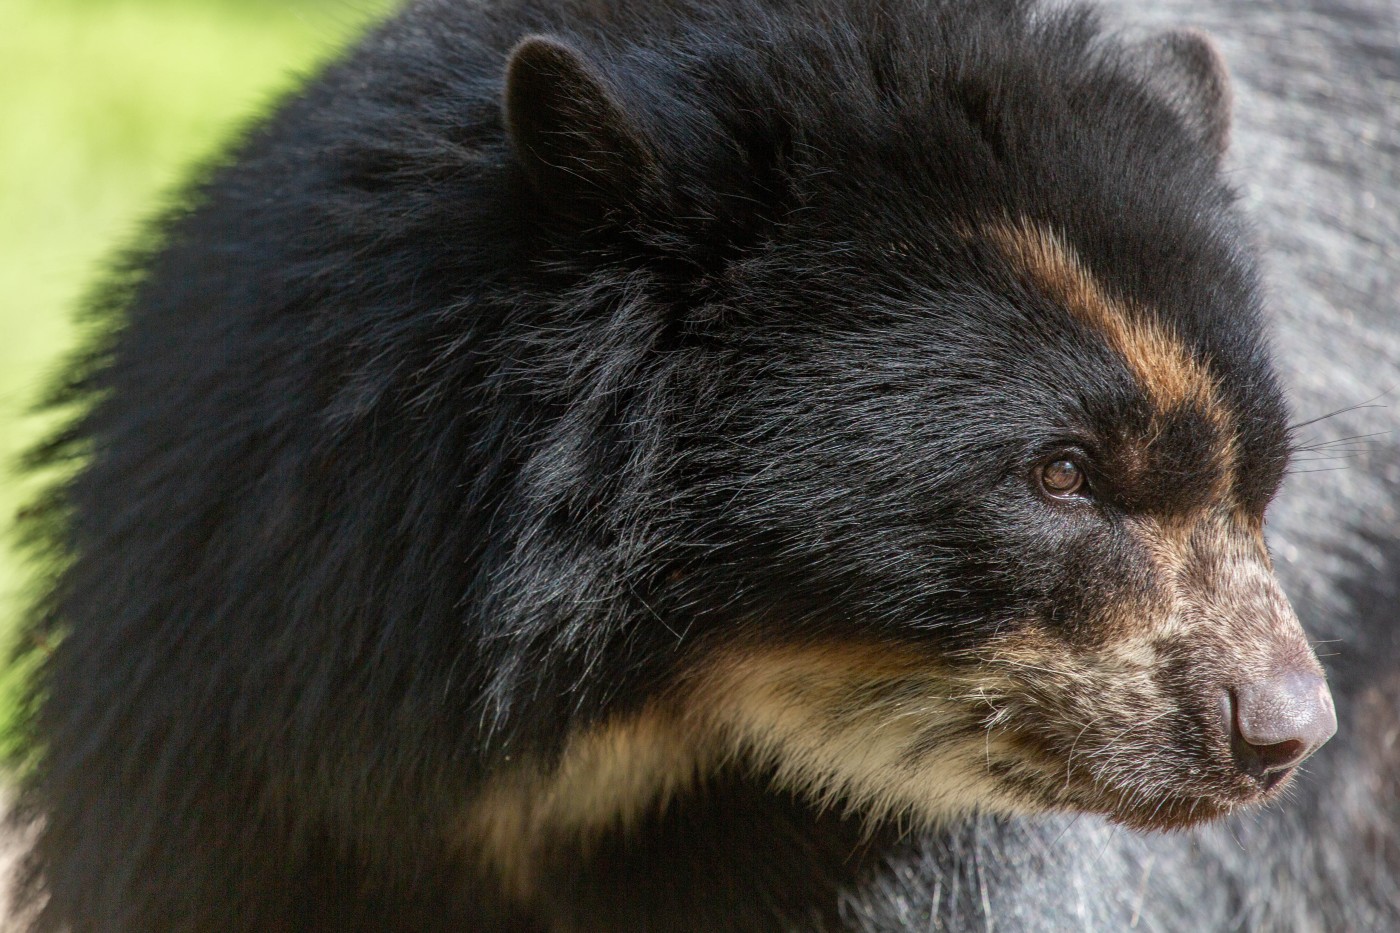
x=1279 y=721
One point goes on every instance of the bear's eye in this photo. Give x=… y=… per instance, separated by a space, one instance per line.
x=1061 y=479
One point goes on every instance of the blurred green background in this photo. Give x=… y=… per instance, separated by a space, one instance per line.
x=103 y=106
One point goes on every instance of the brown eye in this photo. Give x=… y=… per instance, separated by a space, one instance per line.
x=1061 y=479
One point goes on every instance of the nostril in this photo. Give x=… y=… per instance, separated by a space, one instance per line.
x=1276 y=723
x=1279 y=756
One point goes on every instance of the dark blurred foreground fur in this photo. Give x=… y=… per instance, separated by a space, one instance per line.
x=617 y=509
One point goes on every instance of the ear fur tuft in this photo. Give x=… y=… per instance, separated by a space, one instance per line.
x=579 y=145
x=1187 y=67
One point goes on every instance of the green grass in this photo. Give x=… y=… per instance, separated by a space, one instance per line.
x=103 y=106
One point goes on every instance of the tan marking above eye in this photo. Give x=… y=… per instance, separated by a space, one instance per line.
x=1170 y=375
x=1162 y=364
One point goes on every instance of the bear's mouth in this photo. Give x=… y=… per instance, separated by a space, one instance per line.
x=1171 y=808
x=1172 y=813
x=1161 y=787
x=1175 y=811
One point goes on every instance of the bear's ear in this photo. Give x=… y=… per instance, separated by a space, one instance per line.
x=1187 y=68
x=580 y=147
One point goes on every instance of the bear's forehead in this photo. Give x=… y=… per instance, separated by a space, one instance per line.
x=1100 y=206
x=1178 y=410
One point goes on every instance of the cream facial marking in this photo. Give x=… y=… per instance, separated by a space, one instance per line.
x=865 y=728
x=873 y=729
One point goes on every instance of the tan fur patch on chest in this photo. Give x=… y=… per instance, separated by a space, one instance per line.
x=863 y=728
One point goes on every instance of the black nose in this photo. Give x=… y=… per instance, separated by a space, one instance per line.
x=1277 y=722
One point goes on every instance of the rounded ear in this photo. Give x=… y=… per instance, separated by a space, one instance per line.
x=1187 y=67
x=581 y=149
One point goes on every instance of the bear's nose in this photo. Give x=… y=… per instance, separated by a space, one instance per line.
x=1277 y=722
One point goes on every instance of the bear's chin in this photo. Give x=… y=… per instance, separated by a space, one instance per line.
x=1173 y=812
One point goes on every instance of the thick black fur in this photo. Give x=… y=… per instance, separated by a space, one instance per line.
x=405 y=453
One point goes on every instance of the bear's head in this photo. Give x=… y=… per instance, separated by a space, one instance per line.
x=954 y=423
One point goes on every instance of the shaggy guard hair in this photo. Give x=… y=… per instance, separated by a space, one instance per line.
x=575 y=466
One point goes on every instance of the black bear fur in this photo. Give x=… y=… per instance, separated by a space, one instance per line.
x=537 y=354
